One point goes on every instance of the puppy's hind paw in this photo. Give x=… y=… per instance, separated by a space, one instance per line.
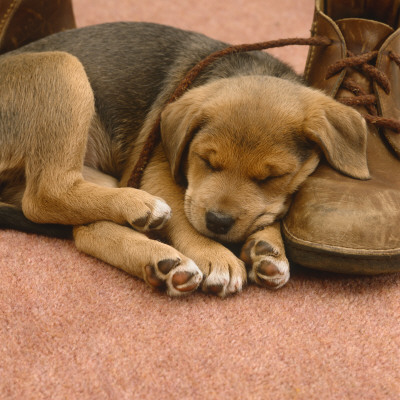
x=176 y=276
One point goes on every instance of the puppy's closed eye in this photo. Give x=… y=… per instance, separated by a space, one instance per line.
x=268 y=179
x=210 y=165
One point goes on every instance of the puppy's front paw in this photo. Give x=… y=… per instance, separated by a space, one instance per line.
x=144 y=211
x=224 y=273
x=266 y=265
x=178 y=276
x=155 y=217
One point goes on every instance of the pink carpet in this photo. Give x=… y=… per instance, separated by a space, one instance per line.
x=72 y=327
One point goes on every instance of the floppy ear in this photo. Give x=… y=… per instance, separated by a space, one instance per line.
x=179 y=122
x=340 y=132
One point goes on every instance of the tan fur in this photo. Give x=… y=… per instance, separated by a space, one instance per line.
x=243 y=145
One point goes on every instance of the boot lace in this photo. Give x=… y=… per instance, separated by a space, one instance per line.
x=364 y=64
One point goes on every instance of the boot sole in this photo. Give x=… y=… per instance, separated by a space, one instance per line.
x=338 y=259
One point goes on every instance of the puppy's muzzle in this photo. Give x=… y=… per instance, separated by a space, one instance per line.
x=218 y=222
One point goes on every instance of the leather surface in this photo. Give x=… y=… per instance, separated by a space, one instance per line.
x=389 y=104
x=385 y=11
x=23 y=21
x=320 y=57
x=337 y=223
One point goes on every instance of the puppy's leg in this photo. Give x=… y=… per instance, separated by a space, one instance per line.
x=47 y=105
x=99 y=178
x=161 y=266
x=264 y=256
x=223 y=272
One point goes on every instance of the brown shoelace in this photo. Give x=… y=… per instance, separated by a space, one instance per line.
x=351 y=61
x=369 y=101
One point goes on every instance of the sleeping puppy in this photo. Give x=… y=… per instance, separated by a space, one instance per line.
x=76 y=109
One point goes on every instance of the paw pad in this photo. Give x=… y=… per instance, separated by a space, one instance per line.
x=152 y=278
x=176 y=276
x=268 y=275
x=157 y=214
x=268 y=268
x=165 y=266
x=181 y=278
x=141 y=222
x=214 y=289
x=157 y=222
x=263 y=248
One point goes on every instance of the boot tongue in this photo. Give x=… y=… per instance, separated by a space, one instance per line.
x=363 y=35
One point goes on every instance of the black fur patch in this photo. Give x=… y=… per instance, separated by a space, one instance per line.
x=13 y=218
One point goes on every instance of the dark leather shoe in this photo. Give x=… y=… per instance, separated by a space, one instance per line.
x=23 y=21
x=337 y=223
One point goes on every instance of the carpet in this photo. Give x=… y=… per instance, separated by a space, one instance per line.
x=73 y=327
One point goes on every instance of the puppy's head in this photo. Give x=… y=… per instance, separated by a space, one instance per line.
x=244 y=145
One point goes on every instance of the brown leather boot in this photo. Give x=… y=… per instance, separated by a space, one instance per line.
x=23 y=21
x=337 y=223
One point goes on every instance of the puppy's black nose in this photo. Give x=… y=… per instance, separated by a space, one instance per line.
x=218 y=222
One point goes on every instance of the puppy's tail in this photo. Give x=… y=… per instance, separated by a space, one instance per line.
x=12 y=217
